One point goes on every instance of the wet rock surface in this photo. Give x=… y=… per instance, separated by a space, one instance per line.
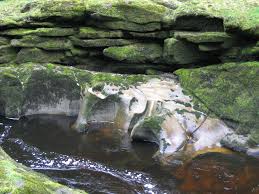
x=55 y=55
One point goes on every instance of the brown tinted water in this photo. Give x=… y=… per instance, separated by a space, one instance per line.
x=106 y=161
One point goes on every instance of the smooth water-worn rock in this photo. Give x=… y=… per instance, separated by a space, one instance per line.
x=31 y=88
x=16 y=178
x=156 y=111
x=152 y=108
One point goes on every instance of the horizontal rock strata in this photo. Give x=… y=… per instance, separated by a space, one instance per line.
x=137 y=36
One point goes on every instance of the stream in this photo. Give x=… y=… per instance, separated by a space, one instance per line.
x=106 y=161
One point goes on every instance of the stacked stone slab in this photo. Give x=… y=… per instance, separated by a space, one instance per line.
x=128 y=36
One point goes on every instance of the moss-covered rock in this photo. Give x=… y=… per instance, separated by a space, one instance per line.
x=36 y=55
x=4 y=41
x=229 y=91
x=42 y=42
x=203 y=37
x=130 y=26
x=153 y=35
x=7 y=54
x=136 y=11
x=31 y=88
x=148 y=129
x=241 y=15
x=21 y=12
x=15 y=178
x=95 y=33
x=246 y=53
x=100 y=42
x=51 y=32
x=136 y=53
x=181 y=52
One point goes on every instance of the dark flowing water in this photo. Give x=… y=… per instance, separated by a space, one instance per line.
x=106 y=161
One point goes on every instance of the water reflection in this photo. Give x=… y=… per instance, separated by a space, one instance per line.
x=106 y=161
x=220 y=174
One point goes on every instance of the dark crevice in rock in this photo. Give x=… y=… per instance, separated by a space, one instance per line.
x=199 y=23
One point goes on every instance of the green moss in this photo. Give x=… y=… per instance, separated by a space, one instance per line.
x=43 y=42
x=154 y=123
x=154 y=35
x=203 y=37
x=15 y=178
x=100 y=42
x=181 y=52
x=119 y=80
x=231 y=91
x=236 y=14
x=36 y=55
x=136 y=11
x=17 y=12
x=29 y=86
x=39 y=32
x=4 y=41
x=136 y=53
x=11 y=94
x=94 y=33
x=196 y=113
x=7 y=54
x=130 y=26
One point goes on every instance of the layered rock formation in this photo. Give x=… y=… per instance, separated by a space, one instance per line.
x=128 y=36
x=190 y=111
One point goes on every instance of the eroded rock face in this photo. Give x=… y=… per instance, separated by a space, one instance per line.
x=29 y=89
x=156 y=111
x=16 y=178
x=130 y=36
x=152 y=108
